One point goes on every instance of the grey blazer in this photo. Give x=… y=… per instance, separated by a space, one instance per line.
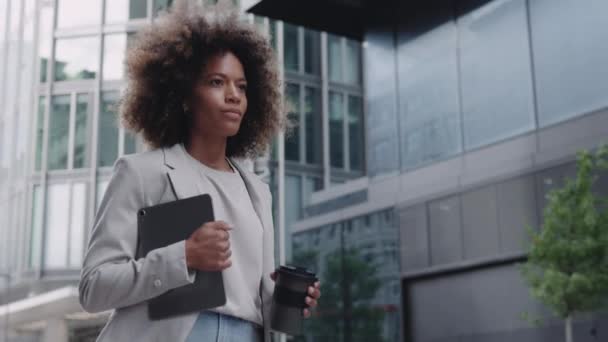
x=111 y=278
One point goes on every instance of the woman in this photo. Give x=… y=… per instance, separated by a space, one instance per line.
x=201 y=91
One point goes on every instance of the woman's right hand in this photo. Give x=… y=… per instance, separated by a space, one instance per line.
x=208 y=248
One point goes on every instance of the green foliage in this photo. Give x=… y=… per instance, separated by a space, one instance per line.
x=567 y=267
x=348 y=285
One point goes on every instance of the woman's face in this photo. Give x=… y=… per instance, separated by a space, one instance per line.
x=219 y=99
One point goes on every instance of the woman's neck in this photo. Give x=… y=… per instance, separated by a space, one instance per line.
x=209 y=151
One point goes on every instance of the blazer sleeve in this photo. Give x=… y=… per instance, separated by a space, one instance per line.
x=110 y=277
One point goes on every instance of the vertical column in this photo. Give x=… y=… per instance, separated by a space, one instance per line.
x=325 y=111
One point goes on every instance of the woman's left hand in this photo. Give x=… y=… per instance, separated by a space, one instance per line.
x=314 y=293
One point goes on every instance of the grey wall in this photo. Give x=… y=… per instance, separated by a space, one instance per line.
x=485 y=305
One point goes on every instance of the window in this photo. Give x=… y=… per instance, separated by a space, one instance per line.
x=161 y=5
x=36 y=229
x=312 y=52
x=428 y=97
x=335 y=57
x=273 y=33
x=115 y=46
x=496 y=83
x=336 y=129
x=383 y=134
x=292 y=139
x=356 y=133
x=353 y=62
x=64 y=225
x=74 y=13
x=77 y=225
x=76 y=59
x=59 y=154
x=81 y=133
x=56 y=226
x=45 y=36
x=314 y=125
x=569 y=60
x=108 y=129
x=39 y=133
x=293 y=205
x=290 y=39
x=119 y=11
x=59 y=124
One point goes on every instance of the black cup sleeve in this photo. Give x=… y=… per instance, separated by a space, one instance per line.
x=288 y=297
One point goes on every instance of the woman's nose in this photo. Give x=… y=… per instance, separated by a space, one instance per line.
x=232 y=94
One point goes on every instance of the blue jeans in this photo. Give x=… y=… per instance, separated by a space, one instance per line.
x=216 y=327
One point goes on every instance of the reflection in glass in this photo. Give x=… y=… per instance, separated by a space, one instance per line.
x=81 y=131
x=336 y=129
x=273 y=33
x=36 y=233
x=290 y=40
x=571 y=76
x=39 y=132
x=293 y=205
x=56 y=226
x=429 y=102
x=312 y=52
x=59 y=123
x=314 y=125
x=161 y=5
x=73 y=13
x=120 y=11
x=108 y=129
x=292 y=139
x=496 y=102
x=335 y=58
x=356 y=133
x=353 y=62
x=380 y=81
x=45 y=37
x=76 y=59
x=77 y=225
x=357 y=263
x=114 y=49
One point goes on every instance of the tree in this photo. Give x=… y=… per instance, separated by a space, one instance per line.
x=348 y=285
x=567 y=266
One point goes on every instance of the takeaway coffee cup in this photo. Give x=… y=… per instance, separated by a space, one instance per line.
x=288 y=300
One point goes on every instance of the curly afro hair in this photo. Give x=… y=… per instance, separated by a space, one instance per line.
x=165 y=60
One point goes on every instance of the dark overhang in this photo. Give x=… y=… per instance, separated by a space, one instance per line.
x=341 y=17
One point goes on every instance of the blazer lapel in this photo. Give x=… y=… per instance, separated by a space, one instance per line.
x=184 y=181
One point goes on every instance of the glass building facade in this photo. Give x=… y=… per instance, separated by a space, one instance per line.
x=61 y=76
x=474 y=111
x=415 y=160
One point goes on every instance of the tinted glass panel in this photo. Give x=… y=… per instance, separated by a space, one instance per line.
x=59 y=123
x=496 y=101
x=336 y=129
x=76 y=59
x=108 y=129
x=81 y=131
x=570 y=64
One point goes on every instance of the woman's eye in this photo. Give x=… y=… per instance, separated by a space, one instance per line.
x=243 y=87
x=216 y=82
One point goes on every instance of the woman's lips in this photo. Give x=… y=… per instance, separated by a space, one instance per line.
x=232 y=115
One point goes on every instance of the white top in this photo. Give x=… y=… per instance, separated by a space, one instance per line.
x=232 y=204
